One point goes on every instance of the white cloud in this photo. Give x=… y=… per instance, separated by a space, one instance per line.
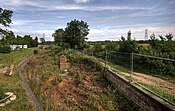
x=102 y=34
x=81 y=1
x=60 y=6
x=97 y=8
x=25 y=22
x=138 y=33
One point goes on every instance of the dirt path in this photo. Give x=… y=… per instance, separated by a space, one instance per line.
x=155 y=82
x=158 y=83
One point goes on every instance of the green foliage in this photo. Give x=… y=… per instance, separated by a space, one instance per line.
x=98 y=48
x=31 y=42
x=5 y=17
x=10 y=39
x=128 y=45
x=163 y=47
x=112 y=46
x=74 y=35
x=20 y=41
x=5 y=49
x=59 y=36
x=76 y=32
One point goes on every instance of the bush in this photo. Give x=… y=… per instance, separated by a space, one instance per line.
x=35 y=52
x=5 y=49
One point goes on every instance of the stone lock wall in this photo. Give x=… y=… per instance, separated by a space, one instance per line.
x=64 y=65
x=143 y=99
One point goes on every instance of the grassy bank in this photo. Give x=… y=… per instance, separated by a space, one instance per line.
x=160 y=92
x=15 y=56
x=13 y=83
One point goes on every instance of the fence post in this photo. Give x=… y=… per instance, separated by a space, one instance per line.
x=83 y=52
x=132 y=59
x=106 y=58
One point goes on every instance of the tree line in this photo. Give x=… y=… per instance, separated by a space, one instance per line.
x=8 y=37
x=75 y=36
x=157 y=45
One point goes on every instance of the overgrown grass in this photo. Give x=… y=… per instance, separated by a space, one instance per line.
x=14 y=57
x=14 y=84
x=42 y=67
x=120 y=69
x=160 y=92
x=110 y=98
x=45 y=65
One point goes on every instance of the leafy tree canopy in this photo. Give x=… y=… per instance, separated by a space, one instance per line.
x=74 y=35
x=128 y=45
x=5 y=17
x=59 y=35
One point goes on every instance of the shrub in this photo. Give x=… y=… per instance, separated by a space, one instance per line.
x=5 y=49
x=35 y=52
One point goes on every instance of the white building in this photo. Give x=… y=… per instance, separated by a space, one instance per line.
x=17 y=47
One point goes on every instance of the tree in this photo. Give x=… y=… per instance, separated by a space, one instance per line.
x=128 y=45
x=31 y=42
x=75 y=33
x=129 y=35
x=5 y=20
x=36 y=39
x=5 y=17
x=153 y=41
x=42 y=40
x=59 y=35
x=111 y=46
x=163 y=46
x=21 y=41
x=169 y=36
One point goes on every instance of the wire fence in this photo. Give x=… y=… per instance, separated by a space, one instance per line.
x=156 y=74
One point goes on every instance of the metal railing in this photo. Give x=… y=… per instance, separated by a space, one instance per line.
x=155 y=74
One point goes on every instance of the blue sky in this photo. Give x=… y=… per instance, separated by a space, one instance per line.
x=107 y=19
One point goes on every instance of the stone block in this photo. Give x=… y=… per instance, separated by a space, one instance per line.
x=64 y=65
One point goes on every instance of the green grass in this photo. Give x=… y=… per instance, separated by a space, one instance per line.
x=156 y=90
x=14 y=84
x=118 y=68
x=14 y=57
x=160 y=92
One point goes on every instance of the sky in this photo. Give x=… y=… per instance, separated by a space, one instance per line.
x=107 y=19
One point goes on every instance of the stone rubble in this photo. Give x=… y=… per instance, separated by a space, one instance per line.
x=10 y=97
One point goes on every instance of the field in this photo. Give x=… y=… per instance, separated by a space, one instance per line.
x=14 y=57
x=13 y=83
